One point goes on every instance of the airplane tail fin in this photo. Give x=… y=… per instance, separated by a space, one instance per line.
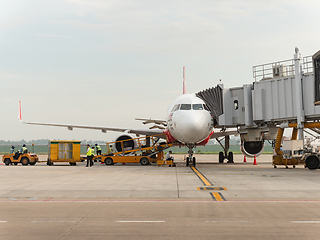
x=184 y=80
x=19 y=116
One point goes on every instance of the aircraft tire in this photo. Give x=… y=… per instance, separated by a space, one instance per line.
x=221 y=157
x=194 y=161
x=187 y=161
x=230 y=157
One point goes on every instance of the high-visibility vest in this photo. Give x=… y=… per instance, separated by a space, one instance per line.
x=89 y=151
x=24 y=149
x=98 y=148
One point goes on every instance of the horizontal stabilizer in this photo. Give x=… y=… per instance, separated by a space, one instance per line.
x=147 y=121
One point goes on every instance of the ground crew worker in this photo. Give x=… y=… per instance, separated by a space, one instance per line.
x=89 y=156
x=24 y=149
x=168 y=156
x=12 y=149
x=92 y=153
x=98 y=149
x=110 y=151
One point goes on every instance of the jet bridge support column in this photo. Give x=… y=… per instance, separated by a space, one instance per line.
x=299 y=99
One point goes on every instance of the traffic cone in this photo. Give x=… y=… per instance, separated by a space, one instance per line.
x=255 y=160
x=101 y=163
x=244 y=159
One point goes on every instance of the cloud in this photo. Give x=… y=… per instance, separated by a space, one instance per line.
x=6 y=100
x=53 y=35
x=10 y=22
x=4 y=75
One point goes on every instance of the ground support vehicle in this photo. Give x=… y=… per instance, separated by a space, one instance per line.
x=148 y=151
x=64 y=151
x=294 y=151
x=170 y=163
x=24 y=159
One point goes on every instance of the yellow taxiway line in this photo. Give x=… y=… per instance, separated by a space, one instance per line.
x=205 y=181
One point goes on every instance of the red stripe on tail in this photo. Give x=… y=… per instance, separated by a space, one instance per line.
x=19 y=110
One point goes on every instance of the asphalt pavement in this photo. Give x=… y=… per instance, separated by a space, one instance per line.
x=211 y=200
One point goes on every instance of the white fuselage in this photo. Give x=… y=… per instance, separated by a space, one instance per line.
x=188 y=121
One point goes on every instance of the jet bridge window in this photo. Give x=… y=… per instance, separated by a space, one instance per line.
x=185 y=107
x=236 y=104
x=197 y=107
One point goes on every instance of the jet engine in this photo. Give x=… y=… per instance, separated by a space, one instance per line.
x=252 y=148
x=128 y=143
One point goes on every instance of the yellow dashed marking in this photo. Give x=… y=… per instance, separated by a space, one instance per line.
x=217 y=197
x=212 y=188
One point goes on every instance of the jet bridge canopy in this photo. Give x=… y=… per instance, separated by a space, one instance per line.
x=213 y=97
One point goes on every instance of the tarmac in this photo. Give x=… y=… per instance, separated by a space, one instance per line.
x=211 y=200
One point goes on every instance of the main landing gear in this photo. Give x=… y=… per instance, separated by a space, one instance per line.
x=225 y=154
x=190 y=160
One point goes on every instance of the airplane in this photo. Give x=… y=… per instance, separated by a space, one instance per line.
x=189 y=123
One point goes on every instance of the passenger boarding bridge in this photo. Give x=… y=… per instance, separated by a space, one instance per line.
x=282 y=92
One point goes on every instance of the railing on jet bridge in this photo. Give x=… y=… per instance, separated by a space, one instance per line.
x=280 y=69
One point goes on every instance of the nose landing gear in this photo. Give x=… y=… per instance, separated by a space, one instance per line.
x=190 y=160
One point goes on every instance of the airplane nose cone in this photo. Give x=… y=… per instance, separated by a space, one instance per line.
x=193 y=128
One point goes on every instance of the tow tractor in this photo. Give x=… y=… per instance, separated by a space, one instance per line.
x=295 y=152
x=143 y=150
x=24 y=158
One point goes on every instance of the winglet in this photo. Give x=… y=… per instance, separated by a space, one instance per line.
x=184 y=80
x=20 y=111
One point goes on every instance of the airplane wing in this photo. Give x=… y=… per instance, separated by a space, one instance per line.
x=147 y=132
x=223 y=134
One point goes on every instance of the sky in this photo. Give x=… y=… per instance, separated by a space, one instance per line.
x=104 y=63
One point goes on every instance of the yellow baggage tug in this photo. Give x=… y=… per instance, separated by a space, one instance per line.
x=24 y=159
x=64 y=151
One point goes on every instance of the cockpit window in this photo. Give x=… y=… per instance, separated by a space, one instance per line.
x=197 y=106
x=175 y=108
x=185 y=107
